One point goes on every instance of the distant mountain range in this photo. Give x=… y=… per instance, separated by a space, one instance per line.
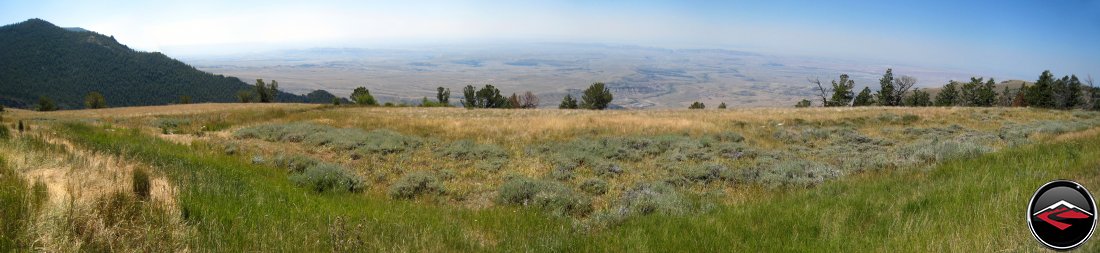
x=40 y=59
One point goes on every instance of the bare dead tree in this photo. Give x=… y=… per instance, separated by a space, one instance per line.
x=1094 y=93
x=530 y=100
x=902 y=85
x=824 y=97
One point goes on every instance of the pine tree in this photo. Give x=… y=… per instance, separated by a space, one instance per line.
x=1059 y=91
x=596 y=97
x=986 y=96
x=443 y=95
x=697 y=105
x=918 y=98
x=261 y=91
x=886 y=91
x=273 y=91
x=1041 y=94
x=968 y=95
x=489 y=97
x=949 y=95
x=361 y=96
x=568 y=102
x=842 y=91
x=722 y=105
x=469 y=95
x=864 y=98
x=1073 y=92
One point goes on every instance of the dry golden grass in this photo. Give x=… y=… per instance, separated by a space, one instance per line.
x=77 y=179
x=521 y=127
x=515 y=130
x=140 y=111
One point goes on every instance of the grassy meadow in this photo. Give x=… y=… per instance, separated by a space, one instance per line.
x=296 y=177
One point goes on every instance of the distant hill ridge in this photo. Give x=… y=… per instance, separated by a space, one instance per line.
x=38 y=58
x=999 y=87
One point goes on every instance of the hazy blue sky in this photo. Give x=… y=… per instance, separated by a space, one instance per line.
x=1021 y=37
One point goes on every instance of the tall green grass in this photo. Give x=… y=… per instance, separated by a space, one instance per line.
x=973 y=205
x=16 y=210
x=238 y=206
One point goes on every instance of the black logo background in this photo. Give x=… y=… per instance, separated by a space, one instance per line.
x=1079 y=230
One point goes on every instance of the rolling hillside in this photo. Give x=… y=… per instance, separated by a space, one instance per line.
x=65 y=64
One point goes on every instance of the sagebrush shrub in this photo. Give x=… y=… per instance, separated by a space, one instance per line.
x=550 y=196
x=517 y=191
x=488 y=157
x=377 y=141
x=384 y=141
x=649 y=198
x=729 y=136
x=937 y=150
x=415 y=184
x=324 y=177
x=469 y=150
x=172 y=124
x=706 y=173
x=294 y=163
x=594 y=186
x=797 y=172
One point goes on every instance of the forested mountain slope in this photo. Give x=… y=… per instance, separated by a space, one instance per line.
x=38 y=58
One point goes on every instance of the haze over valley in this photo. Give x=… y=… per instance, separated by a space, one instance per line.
x=641 y=77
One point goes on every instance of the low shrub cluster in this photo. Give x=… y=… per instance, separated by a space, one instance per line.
x=937 y=150
x=488 y=157
x=379 y=141
x=550 y=196
x=605 y=156
x=171 y=125
x=790 y=172
x=594 y=186
x=294 y=163
x=895 y=119
x=416 y=184
x=323 y=177
x=805 y=135
x=703 y=173
x=650 y=198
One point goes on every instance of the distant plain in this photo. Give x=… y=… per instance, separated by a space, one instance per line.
x=640 y=77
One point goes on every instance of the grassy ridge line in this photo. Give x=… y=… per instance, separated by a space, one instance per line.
x=974 y=205
x=237 y=206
